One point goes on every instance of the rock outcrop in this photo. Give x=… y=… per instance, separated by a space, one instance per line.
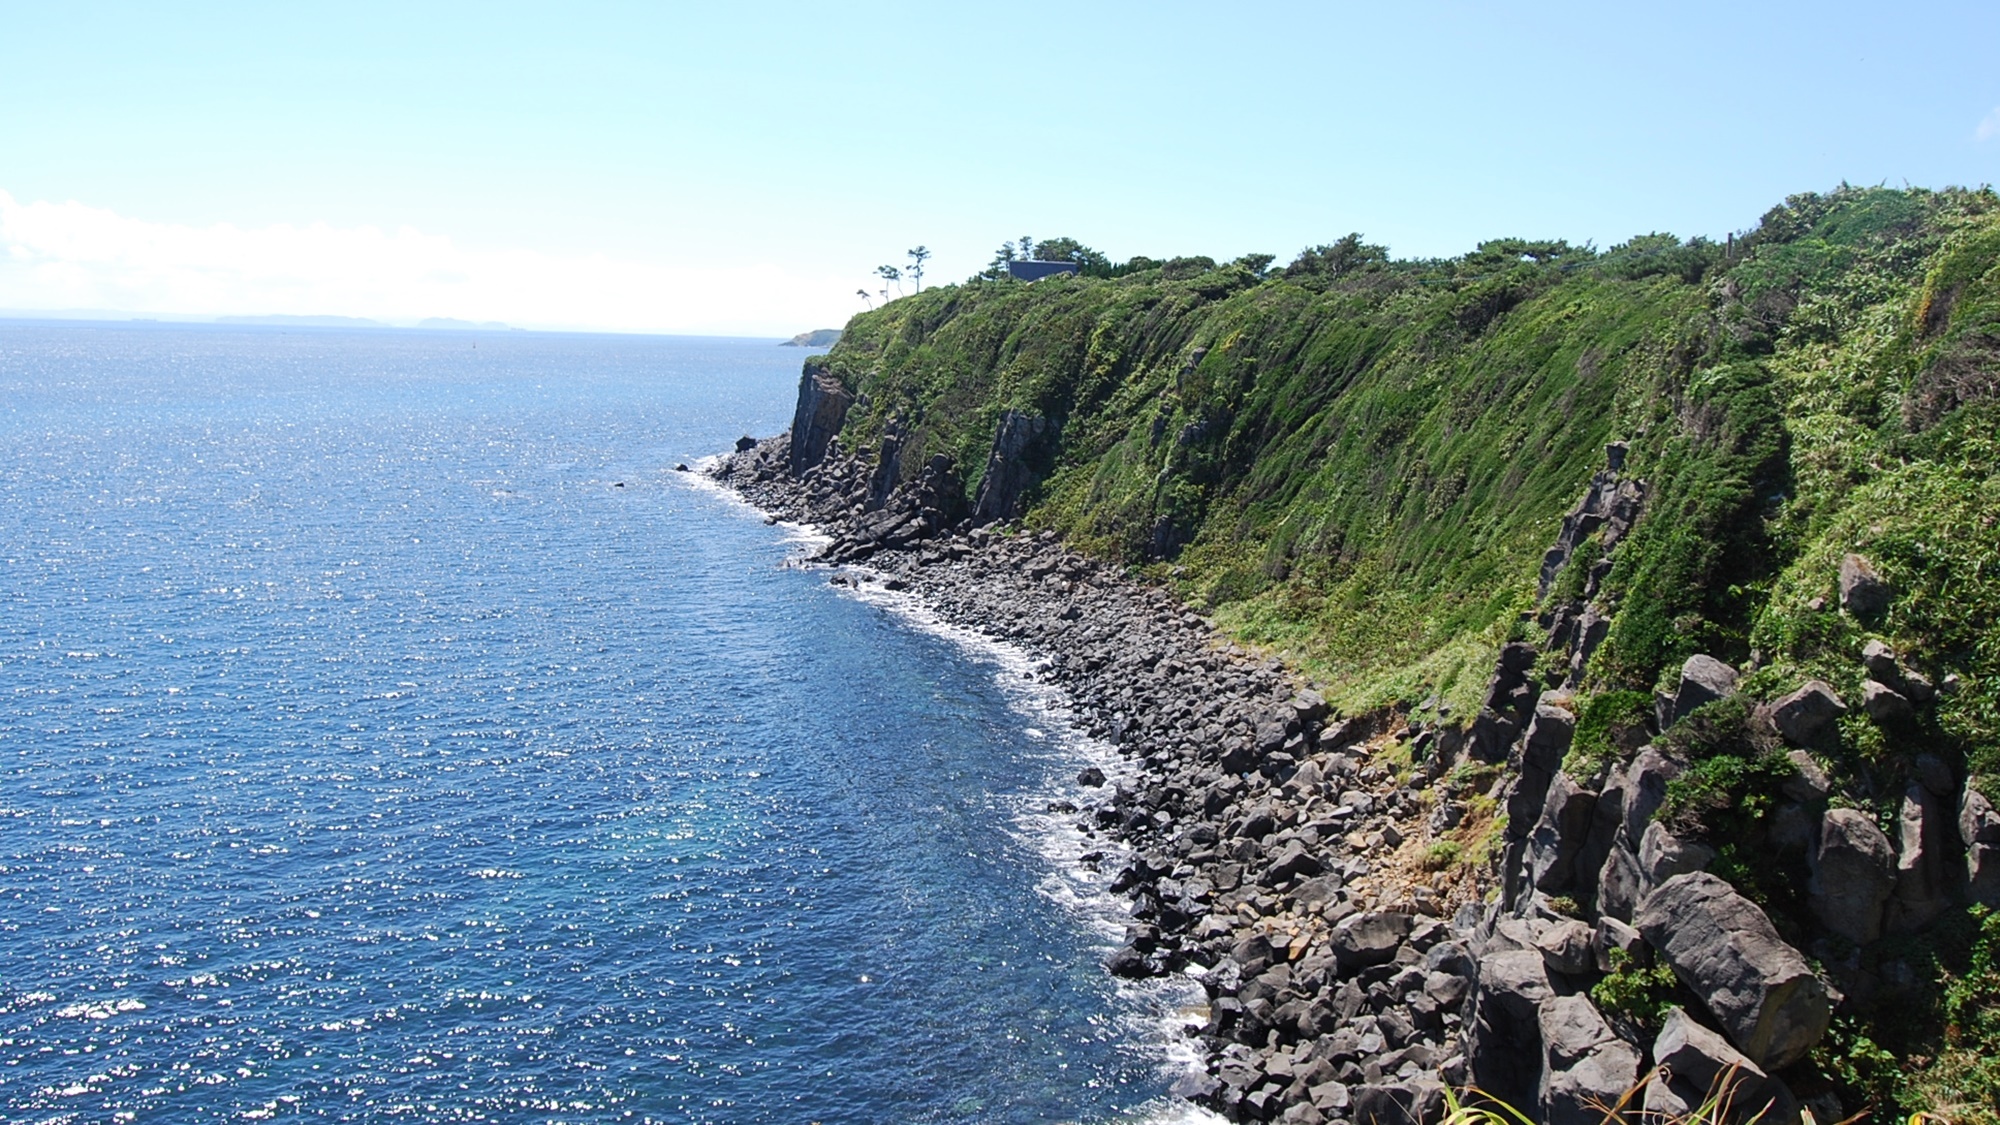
x=1854 y=871
x=1268 y=847
x=1725 y=950
x=1979 y=832
x=1010 y=466
x=1922 y=862
x=1696 y=1063
x=821 y=411
x=1806 y=715
x=1704 y=680
x=1862 y=590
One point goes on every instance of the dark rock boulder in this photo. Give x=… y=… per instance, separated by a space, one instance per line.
x=1310 y=707
x=1853 y=871
x=888 y=471
x=1416 y=1101
x=821 y=410
x=1694 y=1062
x=1613 y=934
x=1725 y=950
x=1809 y=781
x=1509 y=696
x=1663 y=855
x=1315 y=893
x=1922 y=855
x=1640 y=789
x=1542 y=751
x=1559 y=835
x=1806 y=715
x=1591 y=629
x=1369 y=939
x=1885 y=704
x=1253 y=955
x=1292 y=861
x=1979 y=831
x=1646 y=791
x=1128 y=962
x=1880 y=660
x=1012 y=465
x=1620 y=884
x=1586 y=1067
x=1862 y=590
x=1504 y=1041
x=1704 y=679
x=1568 y=947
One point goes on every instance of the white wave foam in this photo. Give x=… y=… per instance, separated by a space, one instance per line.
x=1156 y=1014
x=809 y=538
x=1169 y=1111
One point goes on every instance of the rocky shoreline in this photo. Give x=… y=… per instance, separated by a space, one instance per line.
x=1269 y=843
x=1383 y=907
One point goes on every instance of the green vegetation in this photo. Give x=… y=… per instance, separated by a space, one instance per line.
x=1605 y=726
x=1933 y=1048
x=1442 y=854
x=1357 y=461
x=1733 y=772
x=1641 y=993
x=1968 y=1073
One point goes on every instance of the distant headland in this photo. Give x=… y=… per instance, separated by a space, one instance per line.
x=817 y=338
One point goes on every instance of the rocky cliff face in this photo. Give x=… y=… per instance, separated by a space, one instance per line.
x=1653 y=719
x=1018 y=444
x=1279 y=850
x=821 y=411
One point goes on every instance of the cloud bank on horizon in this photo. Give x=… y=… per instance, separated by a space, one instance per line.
x=58 y=256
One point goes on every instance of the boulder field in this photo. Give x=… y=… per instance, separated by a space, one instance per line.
x=1380 y=906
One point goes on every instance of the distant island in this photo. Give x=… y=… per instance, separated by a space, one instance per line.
x=817 y=338
x=286 y=321
x=454 y=324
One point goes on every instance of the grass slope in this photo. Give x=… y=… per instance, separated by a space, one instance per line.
x=1362 y=469
x=1359 y=463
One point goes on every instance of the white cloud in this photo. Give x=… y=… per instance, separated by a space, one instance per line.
x=73 y=256
x=1989 y=127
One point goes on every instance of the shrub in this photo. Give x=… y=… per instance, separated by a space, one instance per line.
x=1640 y=993
x=1604 y=723
x=1442 y=854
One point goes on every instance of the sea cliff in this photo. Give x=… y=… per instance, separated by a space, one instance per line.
x=1547 y=665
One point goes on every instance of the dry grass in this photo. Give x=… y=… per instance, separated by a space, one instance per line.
x=1475 y=1107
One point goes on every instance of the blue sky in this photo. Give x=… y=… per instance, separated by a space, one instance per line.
x=742 y=168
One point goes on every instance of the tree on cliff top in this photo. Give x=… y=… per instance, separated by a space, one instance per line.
x=890 y=273
x=1347 y=255
x=1089 y=262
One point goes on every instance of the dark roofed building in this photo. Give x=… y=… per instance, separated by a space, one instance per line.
x=1035 y=271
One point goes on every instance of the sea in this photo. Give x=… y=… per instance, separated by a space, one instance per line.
x=389 y=732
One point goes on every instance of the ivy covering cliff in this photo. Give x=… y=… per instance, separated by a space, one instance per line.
x=1680 y=558
x=1359 y=462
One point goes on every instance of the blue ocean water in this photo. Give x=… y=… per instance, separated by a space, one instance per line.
x=387 y=733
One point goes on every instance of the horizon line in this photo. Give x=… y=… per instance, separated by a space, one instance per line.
x=122 y=317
